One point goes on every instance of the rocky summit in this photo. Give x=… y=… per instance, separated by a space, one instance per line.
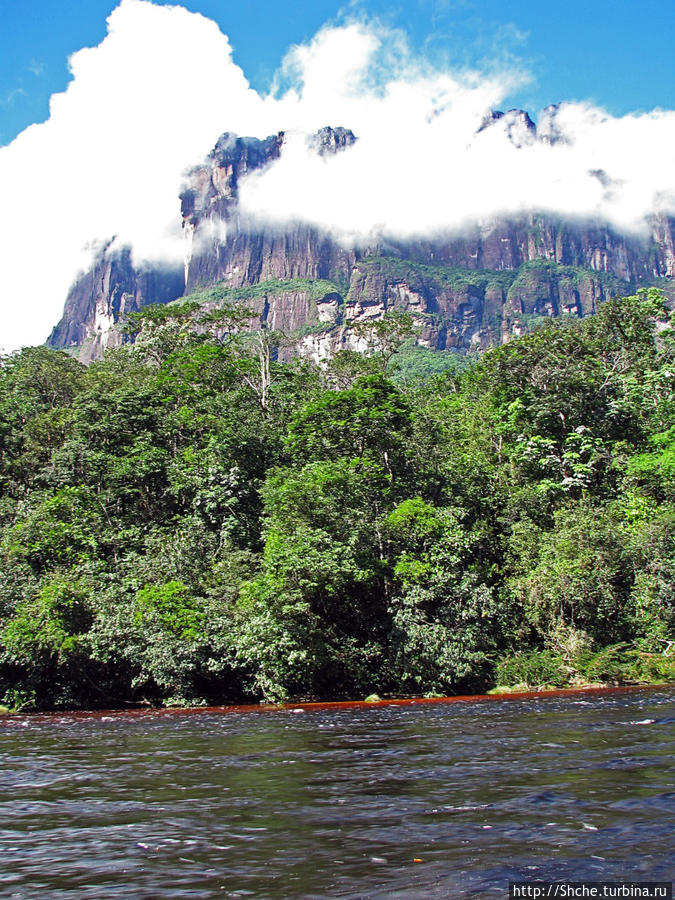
x=465 y=291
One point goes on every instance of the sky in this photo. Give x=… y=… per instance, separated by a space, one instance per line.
x=616 y=53
x=93 y=141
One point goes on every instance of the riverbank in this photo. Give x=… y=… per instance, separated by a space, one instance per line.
x=326 y=705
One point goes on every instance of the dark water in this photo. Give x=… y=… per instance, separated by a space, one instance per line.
x=339 y=803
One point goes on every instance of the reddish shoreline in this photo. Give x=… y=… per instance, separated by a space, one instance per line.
x=12 y=718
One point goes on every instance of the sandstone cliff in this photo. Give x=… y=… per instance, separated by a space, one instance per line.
x=465 y=291
x=106 y=294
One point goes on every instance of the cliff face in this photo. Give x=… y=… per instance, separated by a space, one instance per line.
x=508 y=244
x=465 y=291
x=461 y=310
x=106 y=294
x=219 y=247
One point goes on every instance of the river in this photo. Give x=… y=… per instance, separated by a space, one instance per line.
x=417 y=802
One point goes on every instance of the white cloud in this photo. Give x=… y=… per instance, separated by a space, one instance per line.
x=154 y=96
x=421 y=165
x=151 y=99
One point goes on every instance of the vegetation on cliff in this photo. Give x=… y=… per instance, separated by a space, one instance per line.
x=189 y=520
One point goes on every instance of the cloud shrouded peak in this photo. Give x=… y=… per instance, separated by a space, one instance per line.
x=151 y=100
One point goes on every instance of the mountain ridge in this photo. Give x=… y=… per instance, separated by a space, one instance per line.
x=560 y=266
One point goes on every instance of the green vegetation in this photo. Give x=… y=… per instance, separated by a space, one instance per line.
x=413 y=363
x=513 y=282
x=577 y=275
x=618 y=664
x=315 y=288
x=441 y=276
x=189 y=521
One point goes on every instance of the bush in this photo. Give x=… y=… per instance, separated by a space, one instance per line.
x=622 y=664
x=532 y=669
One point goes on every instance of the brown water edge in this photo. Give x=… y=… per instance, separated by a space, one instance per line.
x=139 y=712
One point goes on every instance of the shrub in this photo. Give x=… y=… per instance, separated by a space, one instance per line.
x=532 y=669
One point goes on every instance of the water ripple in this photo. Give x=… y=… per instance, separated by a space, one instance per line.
x=390 y=802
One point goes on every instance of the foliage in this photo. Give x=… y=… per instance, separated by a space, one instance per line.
x=530 y=669
x=315 y=288
x=413 y=363
x=189 y=520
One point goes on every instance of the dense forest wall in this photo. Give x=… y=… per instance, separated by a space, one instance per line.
x=188 y=520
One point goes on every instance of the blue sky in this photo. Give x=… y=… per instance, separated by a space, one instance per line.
x=617 y=53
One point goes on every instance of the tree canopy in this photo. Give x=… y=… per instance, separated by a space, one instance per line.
x=189 y=520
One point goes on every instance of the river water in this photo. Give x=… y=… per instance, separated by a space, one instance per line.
x=418 y=802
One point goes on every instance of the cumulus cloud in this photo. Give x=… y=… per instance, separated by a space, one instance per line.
x=424 y=165
x=153 y=97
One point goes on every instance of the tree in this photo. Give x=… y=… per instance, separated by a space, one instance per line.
x=368 y=420
x=445 y=618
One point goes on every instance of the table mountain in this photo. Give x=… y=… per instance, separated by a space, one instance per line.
x=466 y=291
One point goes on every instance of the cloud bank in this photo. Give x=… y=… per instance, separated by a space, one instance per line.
x=153 y=97
x=150 y=100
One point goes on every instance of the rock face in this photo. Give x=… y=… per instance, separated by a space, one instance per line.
x=106 y=294
x=219 y=247
x=465 y=291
